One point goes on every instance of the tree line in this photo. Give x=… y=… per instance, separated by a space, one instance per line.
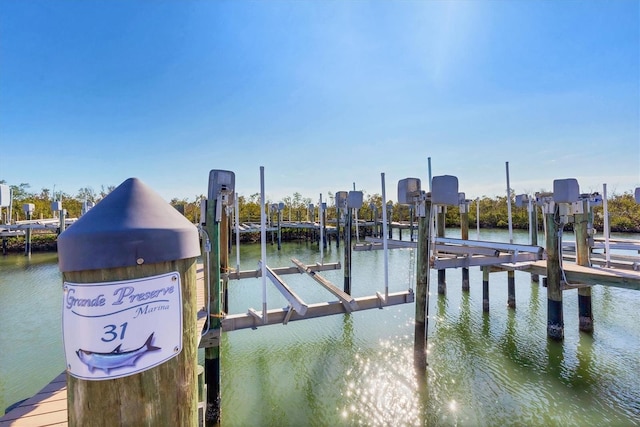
x=624 y=212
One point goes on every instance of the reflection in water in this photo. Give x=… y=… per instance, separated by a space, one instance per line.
x=495 y=368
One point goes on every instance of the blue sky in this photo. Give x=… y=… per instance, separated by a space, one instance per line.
x=323 y=94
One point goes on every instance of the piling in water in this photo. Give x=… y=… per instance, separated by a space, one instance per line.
x=581 y=227
x=442 y=273
x=555 y=320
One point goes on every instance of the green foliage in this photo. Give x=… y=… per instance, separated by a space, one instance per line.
x=624 y=212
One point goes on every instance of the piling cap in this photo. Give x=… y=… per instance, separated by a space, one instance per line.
x=132 y=225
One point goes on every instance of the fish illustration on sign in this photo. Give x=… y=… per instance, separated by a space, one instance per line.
x=116 y=358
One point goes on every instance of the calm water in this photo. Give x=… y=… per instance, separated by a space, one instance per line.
x=495 y=369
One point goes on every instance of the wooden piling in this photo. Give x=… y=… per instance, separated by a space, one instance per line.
x=485 y=288
x=533 y=220
x=136 y=243
x=442 y=274
x=581 y=226
x=212 y=276
x=411 y=216
x=511 y=289
x=63 y=216
x=325 y=239
x=337 y=227
x=422 y=287
x=464 y=234
x=27 y=237
x=279 y=214
x=555 y=320
x=224 y=258
x=347 y=252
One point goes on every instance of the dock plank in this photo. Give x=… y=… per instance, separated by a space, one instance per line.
x=627 y=279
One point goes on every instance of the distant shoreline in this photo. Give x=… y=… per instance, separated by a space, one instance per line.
x=47 y=242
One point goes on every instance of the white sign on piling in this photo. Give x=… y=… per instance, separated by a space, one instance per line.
x=115 y=329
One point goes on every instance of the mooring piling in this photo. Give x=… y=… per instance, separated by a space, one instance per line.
x=423 y=212
x=555 y=320
x=485 y=288
x=440 y=224
x=581 y=230
x=28 y=209
x=533 y=225
x=220 y=195
x=123 y=357
x=464 y=234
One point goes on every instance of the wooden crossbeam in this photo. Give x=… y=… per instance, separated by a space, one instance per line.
x=294 y=300
x=234 y=322
x=247 y=274
x=347 y=300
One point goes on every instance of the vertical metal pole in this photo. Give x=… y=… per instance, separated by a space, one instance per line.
x=384 y=238
x=477 y=218
x=263 y=244
x=509 y=206
x=429 y=169
x=606 y=231
x=322 y=246
x=511 y=281
x=237 y=228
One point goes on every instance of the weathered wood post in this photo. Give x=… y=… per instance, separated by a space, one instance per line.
x=555 y=320
x=63 y=217
x=28 y=211
x=374 y=208
x=410 y=193
x=325 y=238
x=224 y=254
x=533 y=221
x=353 y=201
x=337 y=225
x=130 y=312
x=485 y=288
x=583 y=251
x=442 y=273
x=411 y=216
x=220 y=194
x=279 y=213
x=347 y=252
x=464 y=235
x=422 y=283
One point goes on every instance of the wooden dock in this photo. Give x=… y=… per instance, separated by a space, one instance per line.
x=580 y=276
